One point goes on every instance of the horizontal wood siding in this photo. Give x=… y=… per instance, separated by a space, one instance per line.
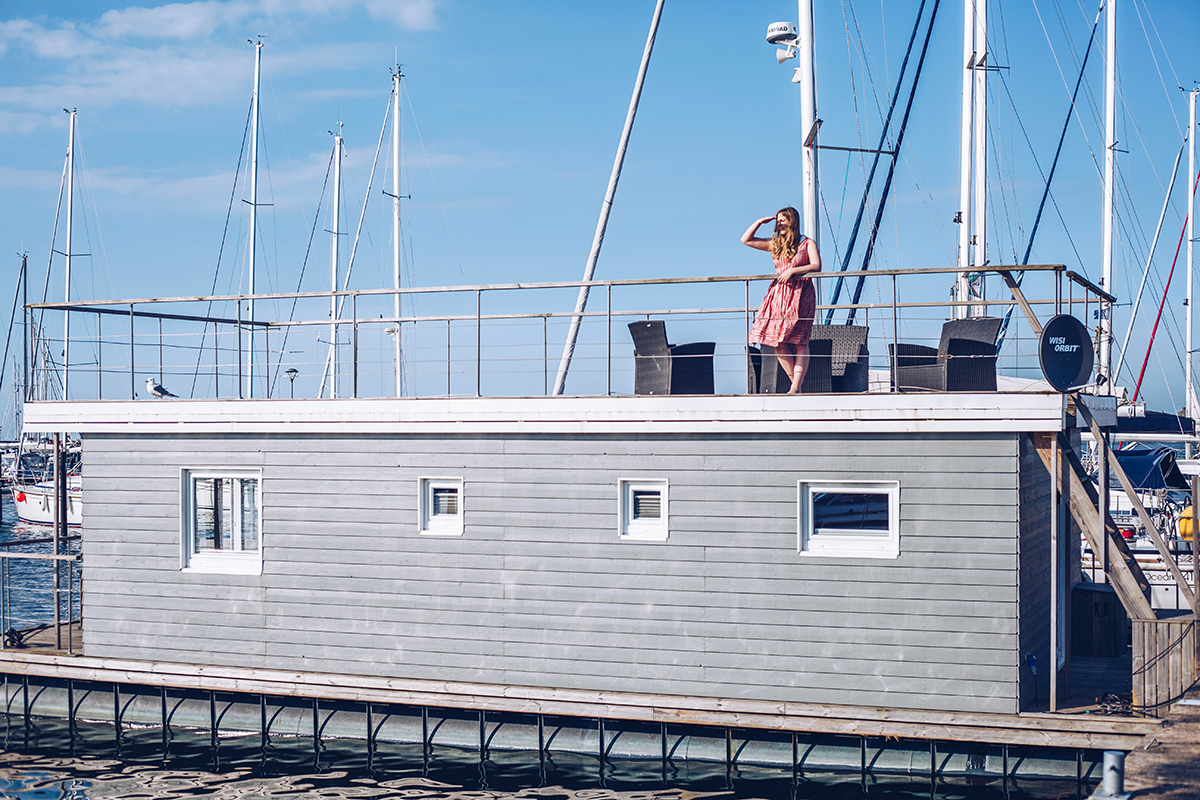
x=540 y=591
x=1035 y=580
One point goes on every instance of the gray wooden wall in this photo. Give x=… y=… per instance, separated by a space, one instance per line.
x=1035 y=579
x=539 y=590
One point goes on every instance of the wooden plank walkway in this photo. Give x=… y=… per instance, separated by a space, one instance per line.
x=44 y=640
x=1167 y=765
x=1035 y=729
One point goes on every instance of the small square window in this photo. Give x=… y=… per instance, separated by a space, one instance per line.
x=849 y=519
x=220 y=513
x=441 y=506
x=643 y=510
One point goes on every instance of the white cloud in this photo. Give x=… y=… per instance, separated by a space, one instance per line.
x=417 y=15
x=174 y=21
x=173 y=54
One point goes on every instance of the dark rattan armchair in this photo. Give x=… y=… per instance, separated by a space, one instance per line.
x=662 y=368
x=837 y=362
x=964 y=360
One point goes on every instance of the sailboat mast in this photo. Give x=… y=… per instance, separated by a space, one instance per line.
x=253 y=208
x=396 y=220
x=1110 y=156
x=1190 y=394
x=977 y=286
x=808 y=119
x=70 y=216
x=963 y=218
x=333 y=261
x=564 y=364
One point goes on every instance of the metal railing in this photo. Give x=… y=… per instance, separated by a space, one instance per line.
x=458 y=347
x=40 y=592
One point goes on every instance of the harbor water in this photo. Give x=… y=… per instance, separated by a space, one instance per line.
x=51 y=757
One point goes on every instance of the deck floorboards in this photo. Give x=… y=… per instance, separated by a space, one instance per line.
x=1167 y=765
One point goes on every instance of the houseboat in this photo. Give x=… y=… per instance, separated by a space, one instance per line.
x=885 y=563
x=892 y=552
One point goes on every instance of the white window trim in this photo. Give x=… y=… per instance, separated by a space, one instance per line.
x=227 y=562
x=845 y=543
x=642 y=530
x=427 y=524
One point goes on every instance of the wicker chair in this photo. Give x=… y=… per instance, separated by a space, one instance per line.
x=662 y=368
x=964 y=360
x=849 y=356
x=837 y=362
x=817 y=378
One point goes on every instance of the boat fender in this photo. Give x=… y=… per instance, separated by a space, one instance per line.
x=1185 y=524
x=20 y=497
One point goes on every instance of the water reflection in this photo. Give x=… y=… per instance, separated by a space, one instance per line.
x=240 y=767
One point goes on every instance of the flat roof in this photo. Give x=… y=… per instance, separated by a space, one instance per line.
x=989 y=412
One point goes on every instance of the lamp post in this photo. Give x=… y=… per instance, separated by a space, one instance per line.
x=291 y=373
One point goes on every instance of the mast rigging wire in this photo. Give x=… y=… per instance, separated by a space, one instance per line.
x=354 y=247
x=1163 y=302
x=862 y=206
x=303 y=267
x=221 y=250
x=887 y=184
x=1037 y=220
x=1146 y=272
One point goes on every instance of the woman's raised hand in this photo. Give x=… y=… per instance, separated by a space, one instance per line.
x=765 y=220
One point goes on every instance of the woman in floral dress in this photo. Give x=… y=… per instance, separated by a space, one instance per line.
x=785 y=318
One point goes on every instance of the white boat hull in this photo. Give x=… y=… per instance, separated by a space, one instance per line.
x=35 y=503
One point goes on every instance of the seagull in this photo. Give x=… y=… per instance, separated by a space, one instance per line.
x=157 y=390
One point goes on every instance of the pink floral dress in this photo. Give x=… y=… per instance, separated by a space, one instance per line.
x=788 y=311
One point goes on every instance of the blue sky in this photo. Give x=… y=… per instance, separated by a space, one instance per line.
x=512 y=119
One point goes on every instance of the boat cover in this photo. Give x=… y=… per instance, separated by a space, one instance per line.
x=1150 y=469
x=1156 y=422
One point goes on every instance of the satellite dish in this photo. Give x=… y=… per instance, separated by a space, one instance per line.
x=1066 y=353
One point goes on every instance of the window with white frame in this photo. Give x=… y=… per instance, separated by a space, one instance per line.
x=441 y=506
x=856 y=519
x=643 y=510
x=221 y=511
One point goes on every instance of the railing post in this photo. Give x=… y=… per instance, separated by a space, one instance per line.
x=267 y=359
x=60 y=523
x=545 y=357
x=478 y=344
x=608 y=357
x=216 y=362
x=132 y=357
x=99 y=358
x=160 y=351
x=354 y=346
x=239 y=349
x=447 y=358
x=895 y=356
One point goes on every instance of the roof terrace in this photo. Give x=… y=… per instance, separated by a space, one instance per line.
x=498 y=340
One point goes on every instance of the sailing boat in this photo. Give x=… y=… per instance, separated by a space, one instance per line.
x=34 y=479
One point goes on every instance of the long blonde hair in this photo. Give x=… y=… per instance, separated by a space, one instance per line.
x=784 y=245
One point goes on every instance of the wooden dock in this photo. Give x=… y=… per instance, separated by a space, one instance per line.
x=46 y=640
x=1081 y=730
x=1167 y=765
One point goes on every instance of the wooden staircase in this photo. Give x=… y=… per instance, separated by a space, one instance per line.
x=1166 y=648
